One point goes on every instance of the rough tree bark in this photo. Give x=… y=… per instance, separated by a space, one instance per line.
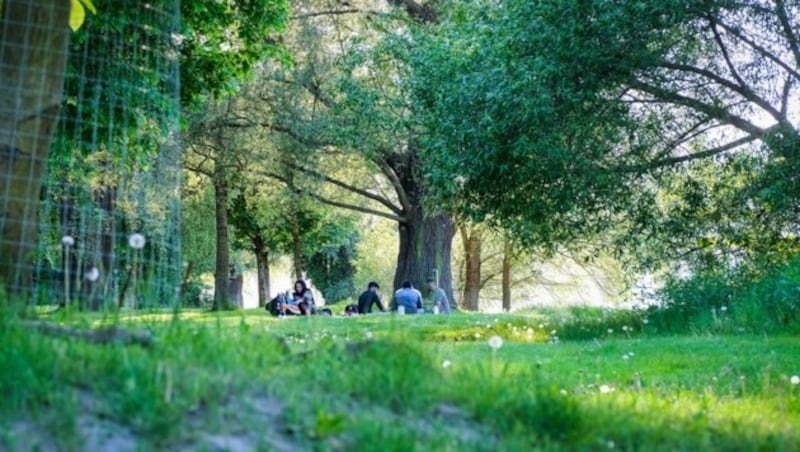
x=472 y=240
x=425 y=240
x=34 y=38
x=262 y=263
x=297 y=249
x=507 y=275
x=222 y=269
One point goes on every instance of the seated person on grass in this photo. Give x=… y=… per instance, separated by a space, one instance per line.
x=368 y=298
x=409 y=298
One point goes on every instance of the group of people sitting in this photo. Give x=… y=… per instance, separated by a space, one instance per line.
x=407 y=300
x=299 y=302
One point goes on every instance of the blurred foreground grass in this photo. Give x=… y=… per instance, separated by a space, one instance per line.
x=574 y=379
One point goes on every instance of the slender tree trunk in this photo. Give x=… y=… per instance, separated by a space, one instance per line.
x=235 y=295
x=262 y=262
x=506 y=275
x=222 y=270
x=297 y=248
x=34 y=38
x=107 y=199
x=472 y=240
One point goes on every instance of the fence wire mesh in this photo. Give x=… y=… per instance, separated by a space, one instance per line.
x=89 y=153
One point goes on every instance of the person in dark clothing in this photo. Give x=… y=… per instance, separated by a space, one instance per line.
x=368 y=298
x=303 y=297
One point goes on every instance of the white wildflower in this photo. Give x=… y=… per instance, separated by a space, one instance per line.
x=446 y=363
x=795 y=380
x=495 y=342
x=605 y=389
x=67 y=240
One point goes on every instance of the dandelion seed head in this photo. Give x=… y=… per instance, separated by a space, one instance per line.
x=610 y=331
x=92 y=275
x=369 y=334
x=723 y=308
x=67 y=240
x=446 y=363
x=136 y=241
x=605 y=389
x=495 y=342
x=795 y=380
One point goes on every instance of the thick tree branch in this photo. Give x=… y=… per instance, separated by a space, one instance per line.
x=694 y=156
x=351 y=188
x=788 y=30
x=402 y=196
x=739 y=88
x=330 y=202
x=761 y=50
x=719 y=113
x=725 y=55
x=421 y=13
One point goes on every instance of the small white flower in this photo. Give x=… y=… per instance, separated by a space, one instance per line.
x=610 y=331
x=563 y=392
x=553 y=333
x=369 y=335
x=626 y=357
x=136 y=241
x=67 y=240
x=723 y=308
x=605 y=389
x=495 y=342
x=477 y=335
x=92 y=274
x=530 y=331
x=795 y=380
x=626 y=328
x=446 y=363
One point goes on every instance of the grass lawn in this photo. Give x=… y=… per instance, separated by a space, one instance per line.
x=577 y=379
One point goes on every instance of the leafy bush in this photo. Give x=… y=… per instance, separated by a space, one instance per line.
x=755 y=296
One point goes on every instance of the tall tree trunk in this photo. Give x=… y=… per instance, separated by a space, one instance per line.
x=473 y=241
x=34 y=38
x=297 y=248
x=507 y=275
x=222 y=271
x=425 y=250
x=262 y=262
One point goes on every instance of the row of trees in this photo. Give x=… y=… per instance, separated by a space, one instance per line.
x=664 y=131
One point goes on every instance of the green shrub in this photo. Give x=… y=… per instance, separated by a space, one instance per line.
x=753 y=296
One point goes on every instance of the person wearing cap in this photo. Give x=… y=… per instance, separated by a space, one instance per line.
x=368 y=298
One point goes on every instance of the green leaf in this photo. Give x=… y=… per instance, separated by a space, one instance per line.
x=76 y=15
